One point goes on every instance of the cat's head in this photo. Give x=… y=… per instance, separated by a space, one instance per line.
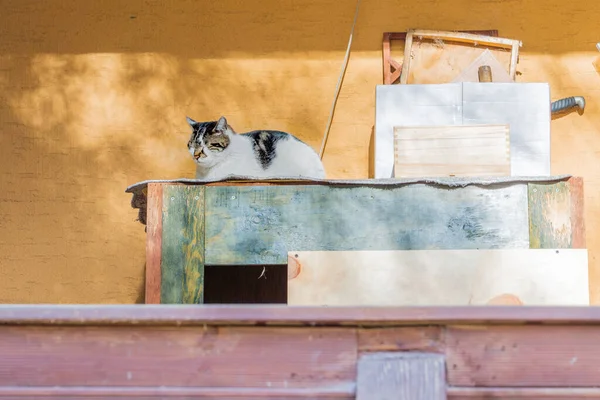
x=209 y=141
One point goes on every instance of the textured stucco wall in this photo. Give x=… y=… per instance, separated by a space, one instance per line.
x=93 y=97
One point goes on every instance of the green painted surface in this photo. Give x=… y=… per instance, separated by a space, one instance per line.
x=182 y=264
x=260 y=224
x=549 y=215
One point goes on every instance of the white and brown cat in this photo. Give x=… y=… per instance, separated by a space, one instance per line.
x=220 y=152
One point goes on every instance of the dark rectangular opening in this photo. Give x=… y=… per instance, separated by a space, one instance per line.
x=247 y=284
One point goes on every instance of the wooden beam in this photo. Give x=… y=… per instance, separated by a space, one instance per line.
x=555 y=356
x=319 y=359
x=192 y=315
x=507 y=393
x=425 y=339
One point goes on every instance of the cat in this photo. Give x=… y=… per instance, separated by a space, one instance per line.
x=219 y=152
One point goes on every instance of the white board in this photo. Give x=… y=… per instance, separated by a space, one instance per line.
x=437 y=277
x=524 y=107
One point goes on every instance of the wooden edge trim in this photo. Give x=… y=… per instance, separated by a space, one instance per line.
x=465 y=37
x=387 y=54
x=402 y=35
x=455 y=392
x=337 y=391
x=578 y=236
x=514 y=59
x=407 y=57
x=213 y=314
x=428 y=339
x=154 y=205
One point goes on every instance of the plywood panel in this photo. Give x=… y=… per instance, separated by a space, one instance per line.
x=438 y=277
x=260 y=224
x=463 y=150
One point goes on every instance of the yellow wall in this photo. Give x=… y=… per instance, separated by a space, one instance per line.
x=93 y=97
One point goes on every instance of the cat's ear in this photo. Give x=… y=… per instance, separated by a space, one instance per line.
x=191 y=122
x=221 y=125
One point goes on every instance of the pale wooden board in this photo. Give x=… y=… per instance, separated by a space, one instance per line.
x=260 y=224
x=401 y=376
x=437 y=277
x=452 y=150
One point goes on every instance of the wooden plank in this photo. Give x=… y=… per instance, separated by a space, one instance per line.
x=260 y=224
x=401 y=376
x=464 y=37
x=427 y=339
x=578 y=240
x=247 y=357
x=153 y=242
x=566 y=393
x=407 y=58
x=192 y=315
x=556 y=214
x=437 y=277
x=523 y=356
x=459 y=150
x=387 y=56
x=183 y=245
x=345 y=392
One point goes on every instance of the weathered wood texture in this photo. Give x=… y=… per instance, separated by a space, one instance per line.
x=459 y=150
x=458 y=37
x=490 y=352
x=500 y=393
x=556 y=214
x=393 y=68
x=260 y=224
x=426 y=339
x=438 y=277
x=278 y=358
x=154 y=242
x=523 y=356
x=192 y=315
x=401 y=376
x=182 y=265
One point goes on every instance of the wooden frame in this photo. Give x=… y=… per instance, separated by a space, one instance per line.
x=187 y=232
x=462 y=38
x=393 y=68
x=298 y=352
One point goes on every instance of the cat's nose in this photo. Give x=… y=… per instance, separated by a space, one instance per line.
x=199 y=154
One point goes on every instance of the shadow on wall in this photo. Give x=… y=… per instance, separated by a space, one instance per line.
x=78 y=129
x=93 y=98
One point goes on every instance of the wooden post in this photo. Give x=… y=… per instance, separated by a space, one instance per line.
x=154 y=205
